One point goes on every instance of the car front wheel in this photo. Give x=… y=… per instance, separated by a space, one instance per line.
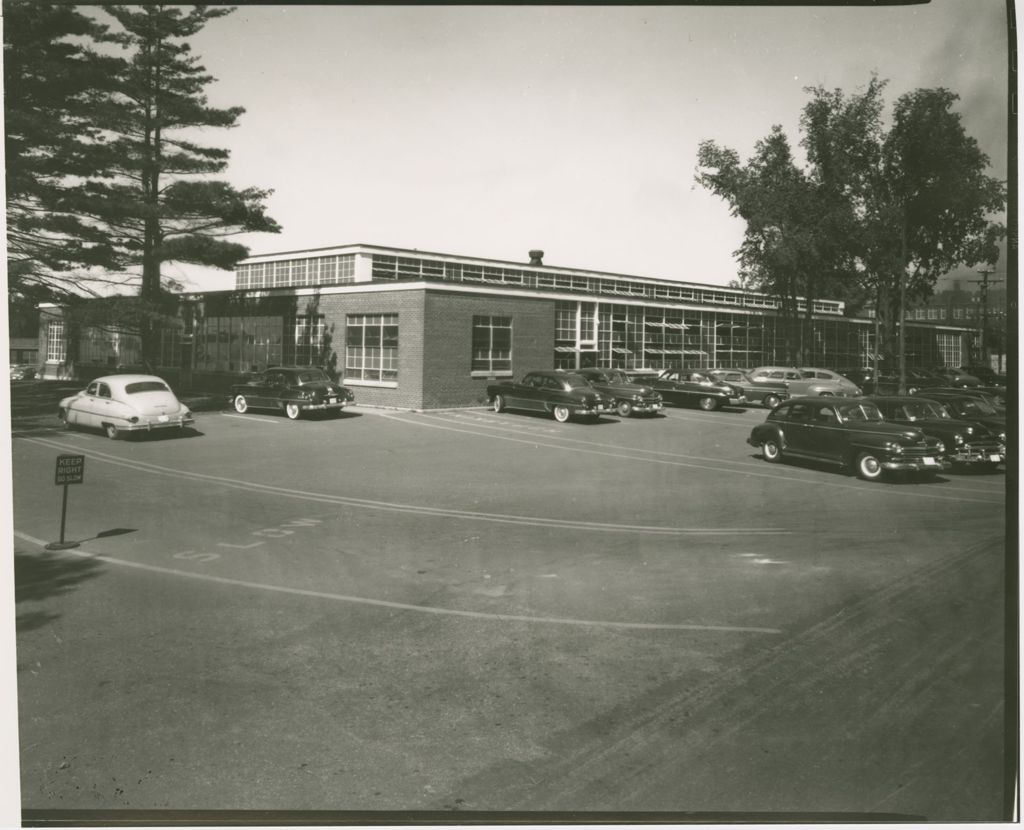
x=112 y=431
x=241 y=404
x=624 y=408
x=499 y=403
x=771 y=451
x=771 y=401
x=709 y=404
x=292 y=410
x=869 y=467
x=561 y=414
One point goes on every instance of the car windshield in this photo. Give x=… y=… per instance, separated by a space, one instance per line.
x=313 y=376
x=146 y=386
x=617 y=377
x=576 y=381
x=976 y=406
x=862 y=411
x=920 y=410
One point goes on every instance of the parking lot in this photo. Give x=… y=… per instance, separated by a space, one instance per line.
x=471 y=611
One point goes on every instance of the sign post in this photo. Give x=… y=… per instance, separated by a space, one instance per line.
x=70 y=470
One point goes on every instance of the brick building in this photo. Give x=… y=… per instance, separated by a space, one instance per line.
x=418 y=330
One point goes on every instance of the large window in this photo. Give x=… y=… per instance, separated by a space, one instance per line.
x=492 y=345
x=309 y=339
x=56 y=346
x=371 y=348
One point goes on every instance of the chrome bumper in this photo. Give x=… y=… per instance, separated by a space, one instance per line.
x=149 y=426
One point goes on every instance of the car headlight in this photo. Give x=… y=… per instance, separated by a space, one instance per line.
x=134 y=419
x=958 y=439
x=1002 y=437
x=894 y=447
x=940 y=448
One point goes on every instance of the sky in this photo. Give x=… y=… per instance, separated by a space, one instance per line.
x=492 y=130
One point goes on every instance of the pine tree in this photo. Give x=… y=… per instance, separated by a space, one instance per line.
x=53 y=84
x=158 y=202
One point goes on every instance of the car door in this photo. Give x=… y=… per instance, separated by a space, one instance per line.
x=798 y=429
x=105 y=408
x=824 y=435
x=84 y=409
x=519 y=393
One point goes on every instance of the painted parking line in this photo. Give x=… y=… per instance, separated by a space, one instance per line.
x=401 y=606
x=250 y=418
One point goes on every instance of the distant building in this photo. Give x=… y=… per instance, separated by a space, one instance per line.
x=412 y=329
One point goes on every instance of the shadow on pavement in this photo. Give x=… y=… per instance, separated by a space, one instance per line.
x=42 y=576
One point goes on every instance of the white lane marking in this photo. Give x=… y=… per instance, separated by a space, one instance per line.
x=250 y=418
x=629 y=456
x=401 y=606
x=423 y=510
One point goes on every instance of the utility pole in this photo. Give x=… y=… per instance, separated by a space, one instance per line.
x=984 y=282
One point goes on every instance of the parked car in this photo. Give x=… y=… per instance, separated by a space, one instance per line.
x=295 y=390
x=955 y=377
x=995 y=395
x=561 y=394
x=630 y=398
x=765 y=374
x=986 y=374
x=766 y=392
x=120 y=404
x=682 y=387
x=971 y=408
x=22 y=371
x=823 y=382
x=850 y=433
x=966 y=443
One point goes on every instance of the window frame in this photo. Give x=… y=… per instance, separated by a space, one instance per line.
x=491 y=323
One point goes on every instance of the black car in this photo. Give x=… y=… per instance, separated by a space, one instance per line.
x=848 y=432
x=768 y=393
x=682 y=387
x=292 y=389
x=966 y=443
x=970 y=408
x=631 y=398
x=561 y=394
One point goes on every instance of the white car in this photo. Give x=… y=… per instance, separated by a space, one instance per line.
x=125 y=403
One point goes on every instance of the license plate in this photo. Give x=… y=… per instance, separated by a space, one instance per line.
x=930 y=462
x=332 y=400
x=994 y=458
x=163 y=419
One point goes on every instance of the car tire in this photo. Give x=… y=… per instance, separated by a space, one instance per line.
x=771 y=451
x=868 y=466
x=561 y=414
x=113 y=433
x=293 y=411
x=499 y=403
x=771 y=401
x=624 y=409
x=241 y=404
x=709 y=404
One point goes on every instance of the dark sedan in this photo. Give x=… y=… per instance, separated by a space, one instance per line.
x=975 y=410
x=292 y=389
x=966 y=443
x=560 y=394
x=850 y=433
x=682 y=387
x=768 y=393
x=631 y=398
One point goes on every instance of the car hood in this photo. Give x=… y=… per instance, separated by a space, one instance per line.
x=908 y=433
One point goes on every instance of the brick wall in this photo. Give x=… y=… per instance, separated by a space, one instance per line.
x=409 y=307
x=448 y=338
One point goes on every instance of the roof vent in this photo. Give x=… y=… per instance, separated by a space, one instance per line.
x=536 y=257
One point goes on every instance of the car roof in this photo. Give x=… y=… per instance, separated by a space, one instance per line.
x=123 y=380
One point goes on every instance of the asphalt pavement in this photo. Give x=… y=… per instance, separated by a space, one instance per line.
x=470 y=614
